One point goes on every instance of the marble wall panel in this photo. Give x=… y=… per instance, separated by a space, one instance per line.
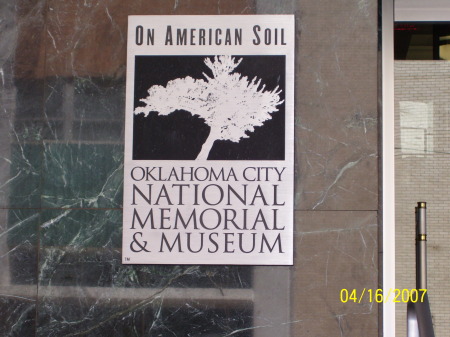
x=22 y=101
x=21 y=245
x=336 y=106
x=24 y=184
x=29 y=50
x=18 y=315
x=334 y=251
x=84 y=109
x=5 y=160
x=72 y=42
x=83 y=286
x=278 y=7
x=61 y=153
x=18 y=281
x=82 y=247
x=82 y=175
x=20 y=111
x=8 y=40
x=349 y=325
x=88 y=317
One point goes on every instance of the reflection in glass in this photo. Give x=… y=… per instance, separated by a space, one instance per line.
x=422 y=161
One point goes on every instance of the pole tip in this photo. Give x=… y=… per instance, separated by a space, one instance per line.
x=421 y=204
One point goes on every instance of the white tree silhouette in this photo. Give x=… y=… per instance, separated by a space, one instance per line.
x=230 y=104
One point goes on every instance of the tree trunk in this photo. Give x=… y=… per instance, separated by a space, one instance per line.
x=206 y=147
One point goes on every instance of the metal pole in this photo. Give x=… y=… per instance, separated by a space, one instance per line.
x=419 y=321
x=421 y=245
x=412 y=324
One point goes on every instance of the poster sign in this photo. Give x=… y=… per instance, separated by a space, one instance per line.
x=208 y=174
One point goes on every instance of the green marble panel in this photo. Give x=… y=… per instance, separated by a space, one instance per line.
x=25 y=175
x=101 y=317
x=82 y=176
x=99 y=98
x=81 y=278
x=19 y=242
x=18 y=315
x=18 y=261
x=83 y=248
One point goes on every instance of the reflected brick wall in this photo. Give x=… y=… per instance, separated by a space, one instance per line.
x=423 y=174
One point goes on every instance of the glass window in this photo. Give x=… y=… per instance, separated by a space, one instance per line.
x=422 y=160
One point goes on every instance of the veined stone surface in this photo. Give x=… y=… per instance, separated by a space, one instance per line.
x=62 y=94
